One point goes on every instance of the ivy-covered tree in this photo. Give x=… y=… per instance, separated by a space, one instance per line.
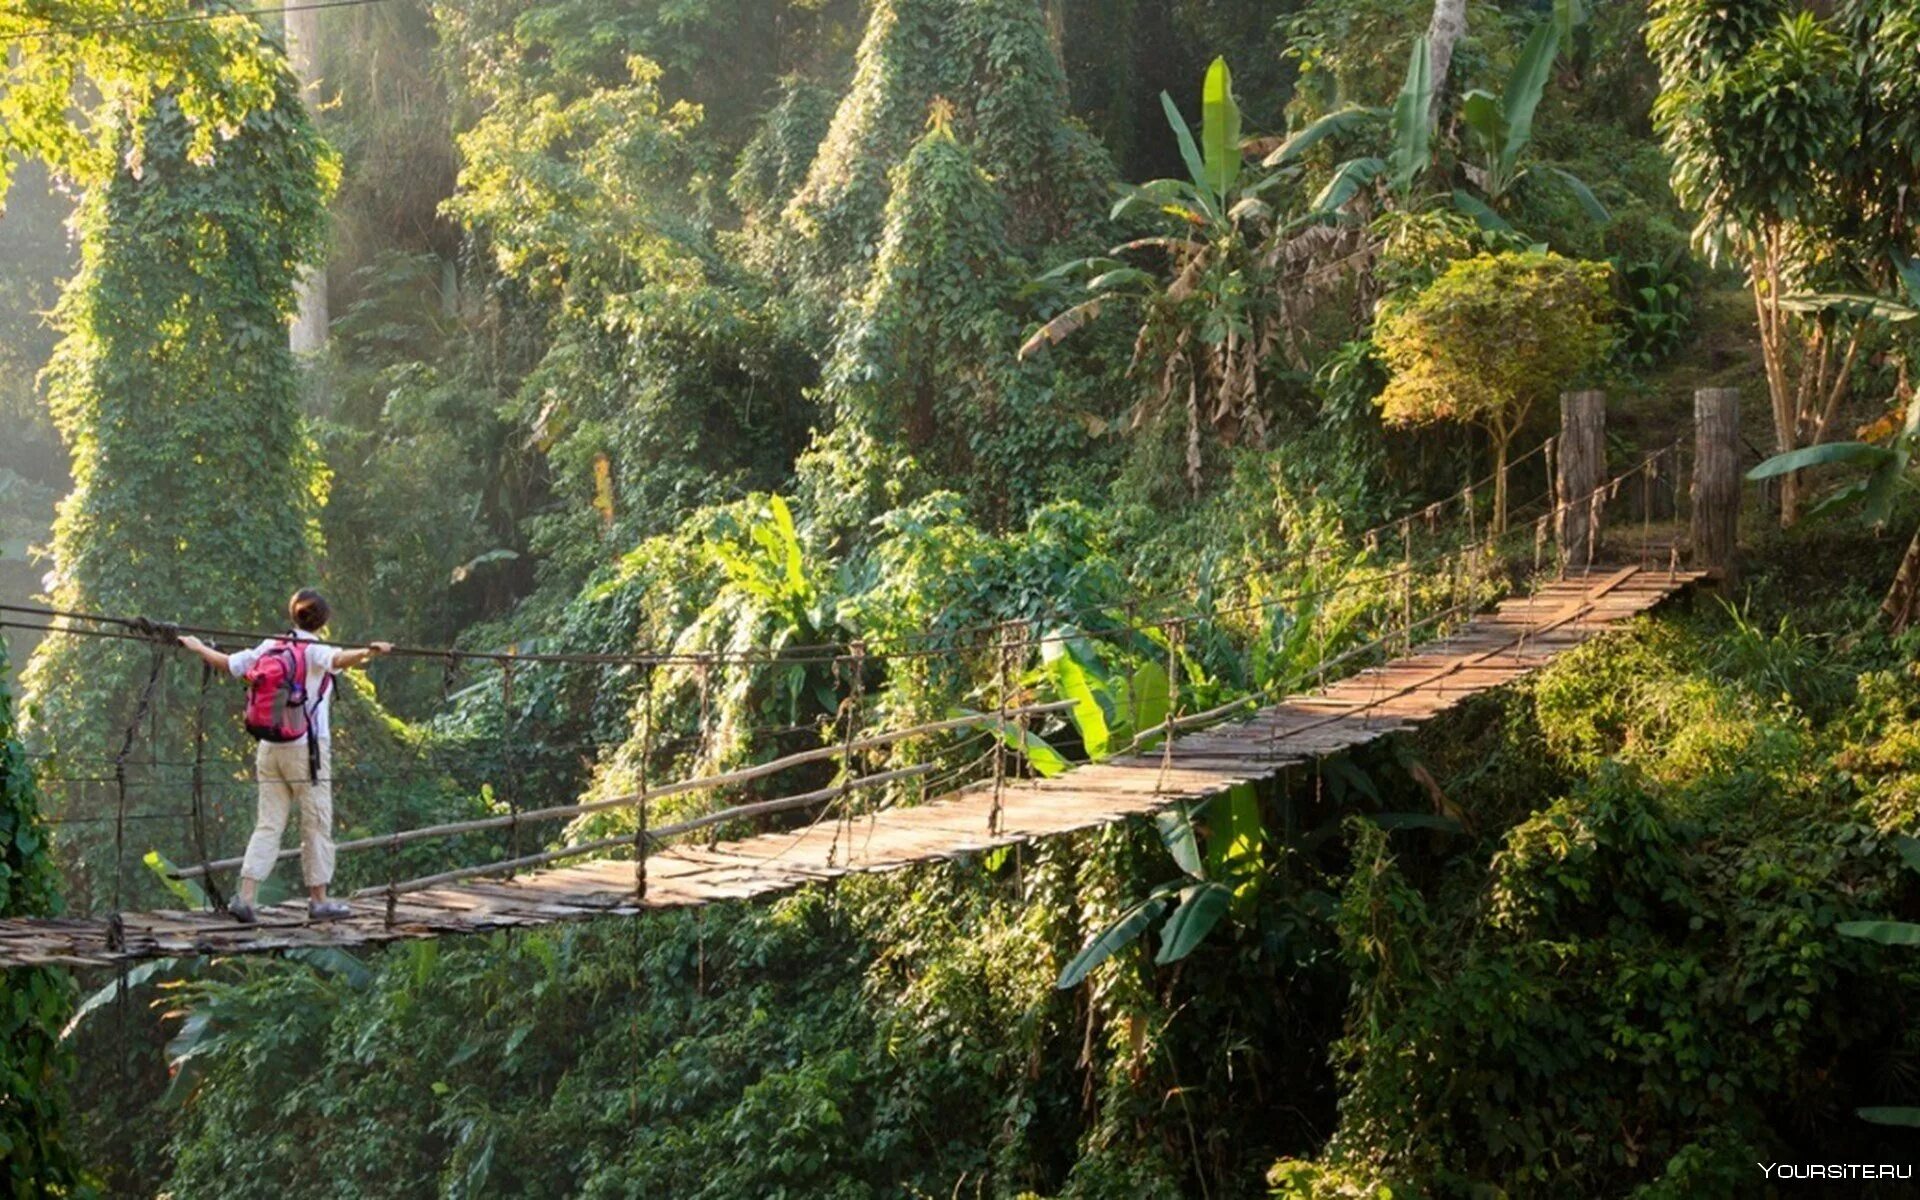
x=993 y=63
x=923 y=390
x=33 y=1001
x=195 y=485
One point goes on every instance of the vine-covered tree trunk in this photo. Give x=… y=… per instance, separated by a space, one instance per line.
x=195 y=486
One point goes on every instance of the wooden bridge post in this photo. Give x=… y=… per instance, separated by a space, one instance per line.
x=1583 y=467
x=1716 y=481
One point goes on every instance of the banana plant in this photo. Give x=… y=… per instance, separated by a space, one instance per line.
x=1408 y=158
x=1499 y=129
x=1208 y=886
x=1888 y=468
x=1890 y=933
x=1208 y=309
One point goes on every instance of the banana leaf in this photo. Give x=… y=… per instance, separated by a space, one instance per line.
x=1887 y=933
x=1201 y=907
x=1111 y=940
x=1317 y=132
x=1220 y=130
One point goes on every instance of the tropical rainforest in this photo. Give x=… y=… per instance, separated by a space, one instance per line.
x=1107 y=359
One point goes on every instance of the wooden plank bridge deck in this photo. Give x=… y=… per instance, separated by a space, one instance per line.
x=1518 y=636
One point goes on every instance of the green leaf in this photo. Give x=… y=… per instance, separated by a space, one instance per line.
x=1110 y=941
x=1189 y=153
x=1176 y=831
x=1348 y=178
x=1220 y=129
x=790 y=538
x=134 y=978
x=1234 y=850
x=1524 y=88
x=1887 y=933
x=1589 y=203
x=1475 y=207
x=1201 y=907
x=1150 y=699
x=1076 y=683
x=1481 y=112
x=1118 y=277
x=1909 y=850
x=1317 y=132
x=1412 y=122
x=1040 y=755
x=186 y=891
x=1819 y=456
x=1908 y=1117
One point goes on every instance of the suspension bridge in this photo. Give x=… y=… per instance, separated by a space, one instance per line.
x=1187 y=758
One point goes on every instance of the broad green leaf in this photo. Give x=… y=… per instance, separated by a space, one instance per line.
x=1850 y=304
x=1887 y=933
x=1076 y=683
x=1234 y=849
x=1524 y=88
x=1347 y=180
x=1819 y=456
x=1317 y=132
x=1176 y=831
x=1117 y=278
x=1909 y=1117
x=1150 y=701
x=1473 y=206
x=1110 y=941
x=186 y=891
x=1189 y=153
x=790 y=540
x=1482 y=113
x=1412 y=122
x=134 y=978
x=1201 y=907
x=1589 y=203
x=1220 y=129
x=1039 y=753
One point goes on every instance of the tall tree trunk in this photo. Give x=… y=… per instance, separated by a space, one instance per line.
x=1448 y=26
x=310 y=322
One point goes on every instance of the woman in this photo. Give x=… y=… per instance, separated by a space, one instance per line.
x=298 y=768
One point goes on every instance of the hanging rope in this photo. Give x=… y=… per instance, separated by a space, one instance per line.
x=210 y=887
x=640 y=809
x=508 y=745
x=1000 y=744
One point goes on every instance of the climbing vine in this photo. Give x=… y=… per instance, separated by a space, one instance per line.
x=195 y=487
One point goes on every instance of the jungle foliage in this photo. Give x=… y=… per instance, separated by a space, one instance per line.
x=1056 y=338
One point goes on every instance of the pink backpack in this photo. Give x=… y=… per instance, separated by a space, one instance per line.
x=277 y=693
